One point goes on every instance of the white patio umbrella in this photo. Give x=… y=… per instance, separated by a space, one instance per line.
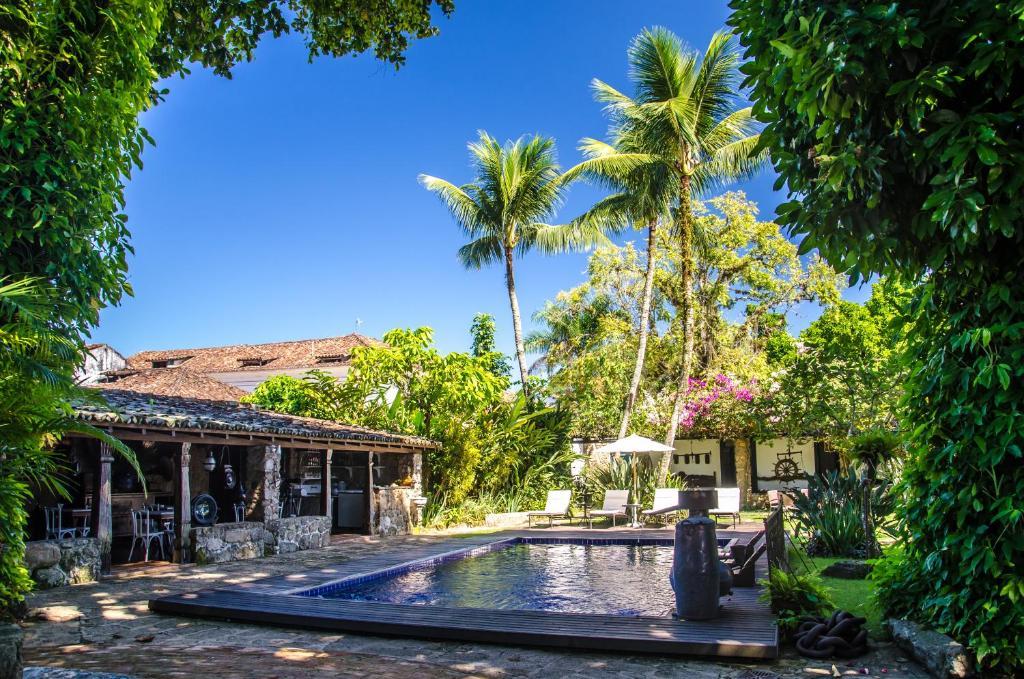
x=634 y=445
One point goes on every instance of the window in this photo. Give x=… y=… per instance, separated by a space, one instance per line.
x=169 y=362
x=332 y=358
x=254 y=361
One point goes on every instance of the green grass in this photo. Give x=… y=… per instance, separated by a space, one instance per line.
x=854 y=596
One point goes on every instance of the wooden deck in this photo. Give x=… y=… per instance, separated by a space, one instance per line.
x=745 y=628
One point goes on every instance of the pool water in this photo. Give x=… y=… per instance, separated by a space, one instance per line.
x=628 y=580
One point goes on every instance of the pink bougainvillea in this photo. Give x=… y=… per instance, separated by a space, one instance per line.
x=717 y=404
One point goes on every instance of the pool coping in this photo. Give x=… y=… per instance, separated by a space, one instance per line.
x=745 y=628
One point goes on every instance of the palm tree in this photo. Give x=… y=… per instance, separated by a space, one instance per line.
x=503 y=210
x=684 y=115
x=641 y=197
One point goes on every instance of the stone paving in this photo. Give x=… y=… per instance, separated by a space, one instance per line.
x=107 y=627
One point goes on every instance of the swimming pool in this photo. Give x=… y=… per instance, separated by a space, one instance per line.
x=745 y=627
x=602 y=577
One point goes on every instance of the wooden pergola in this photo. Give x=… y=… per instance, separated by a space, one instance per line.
x=132 y=416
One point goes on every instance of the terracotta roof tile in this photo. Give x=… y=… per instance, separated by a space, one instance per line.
x=171 y=412
x=172 y=382
x=309 y=353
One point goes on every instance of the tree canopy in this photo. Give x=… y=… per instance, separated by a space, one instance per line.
x=896 y=127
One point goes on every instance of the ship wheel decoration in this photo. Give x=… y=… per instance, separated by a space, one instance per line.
x=786 y=468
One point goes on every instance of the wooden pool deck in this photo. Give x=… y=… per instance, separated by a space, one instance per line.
x=746 y=627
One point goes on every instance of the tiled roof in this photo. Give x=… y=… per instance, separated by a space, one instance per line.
x=310 y=353
x=172 y=382
x=171 y=412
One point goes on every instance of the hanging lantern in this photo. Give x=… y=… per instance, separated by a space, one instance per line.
x=209 y=464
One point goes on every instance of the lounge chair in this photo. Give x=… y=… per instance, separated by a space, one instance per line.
x=664 y=498
x=555 y=507
x=728 y=505
x=614 y=505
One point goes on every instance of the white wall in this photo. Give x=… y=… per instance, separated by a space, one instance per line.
x=99 y=360
x=768 y=454
x=698 y=465
x=248 y=380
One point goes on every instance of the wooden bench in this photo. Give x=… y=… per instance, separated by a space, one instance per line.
x=770 y=540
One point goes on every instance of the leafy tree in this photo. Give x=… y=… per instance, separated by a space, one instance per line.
x=483 y=330
x=685 y=116
x=34 y=413
x=488 y=444
x=517 y=185
x=897 y=128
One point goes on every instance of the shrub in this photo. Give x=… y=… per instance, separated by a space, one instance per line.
x=794 y=596
x=830 y=513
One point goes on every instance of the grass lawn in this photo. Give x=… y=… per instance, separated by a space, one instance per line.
x=849 y=595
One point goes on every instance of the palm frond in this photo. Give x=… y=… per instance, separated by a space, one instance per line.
x=457 y=199
x=556 y=239
x=482 y=251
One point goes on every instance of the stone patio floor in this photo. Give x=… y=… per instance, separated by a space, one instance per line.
x=107 y=627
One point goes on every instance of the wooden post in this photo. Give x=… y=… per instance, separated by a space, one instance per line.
x=104 y=512
x=370 y=505
x=182 y=505
x=325 y=483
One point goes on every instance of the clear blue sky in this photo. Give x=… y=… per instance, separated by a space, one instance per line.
x=283 y=204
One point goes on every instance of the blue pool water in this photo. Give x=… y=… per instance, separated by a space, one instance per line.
x=605 y=579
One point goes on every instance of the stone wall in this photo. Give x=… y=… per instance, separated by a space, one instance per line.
x=393 y=510
x=228 y=542
x=54 y=563
x=296 y=533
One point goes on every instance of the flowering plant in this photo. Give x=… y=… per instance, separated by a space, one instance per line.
x=720 y=405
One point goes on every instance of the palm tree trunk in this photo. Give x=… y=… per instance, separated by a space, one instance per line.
x=645 y=314
x=743 y=480
x=686 y=251
x=517 y=323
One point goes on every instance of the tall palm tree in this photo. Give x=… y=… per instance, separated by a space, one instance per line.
x=517 y=187
x=685 y=116
x=641 y=196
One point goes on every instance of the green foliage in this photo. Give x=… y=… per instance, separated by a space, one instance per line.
x=793 y=596
x=34 y=413
x=849 y=376
x=494 y=450
x=484 y=346
x=830 y=514
x=875 y=447
x=897 y=125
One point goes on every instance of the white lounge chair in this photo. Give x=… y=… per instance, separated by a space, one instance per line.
x=664 y=498
x=555 y=507
x=614 y=505
x=728 y=505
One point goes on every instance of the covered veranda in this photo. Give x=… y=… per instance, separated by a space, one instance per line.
x=231 y=467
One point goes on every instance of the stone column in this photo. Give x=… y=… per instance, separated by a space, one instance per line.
x=104 y=512
x=270 y=488
x=182 y=505
x=417 y=473
x=325 y=483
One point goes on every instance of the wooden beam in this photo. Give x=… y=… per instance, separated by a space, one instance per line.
x=368 y=496
x=129 y=433
x=104 y=513
x=182 y=505
x=325 y=483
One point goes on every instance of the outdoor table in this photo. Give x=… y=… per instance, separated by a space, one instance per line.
x=632 y=509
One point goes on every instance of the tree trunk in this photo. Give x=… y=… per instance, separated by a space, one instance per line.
x=871 y=546
x=685 y=218
x=741 y=447
x=517 y=324
x=645 y=326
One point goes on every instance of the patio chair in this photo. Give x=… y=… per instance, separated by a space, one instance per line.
x=728 y=505
x=54 y=529
x=614 y=505
x=664 y=498
x=144 y=533
x=555 y=507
